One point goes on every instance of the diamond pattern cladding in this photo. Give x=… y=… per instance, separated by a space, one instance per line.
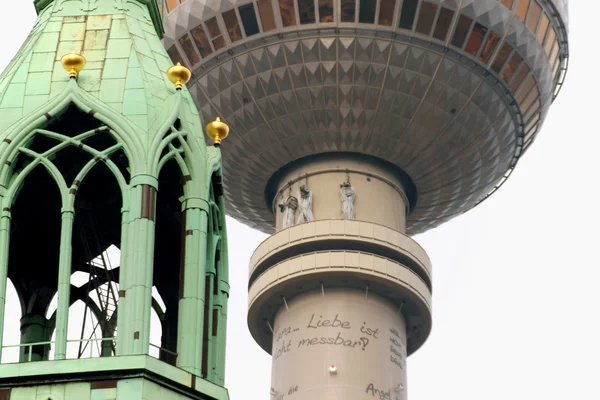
x=426 y=113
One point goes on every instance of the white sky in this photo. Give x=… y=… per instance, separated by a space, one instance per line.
x=516 y=304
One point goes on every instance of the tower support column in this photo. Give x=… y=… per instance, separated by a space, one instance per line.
x=135 y=294
x=34 y=329
x=64 y=284
x=192 y=281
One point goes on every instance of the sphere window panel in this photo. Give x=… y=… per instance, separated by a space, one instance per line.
x=267 y=17
x=522 y=9
x=555 y=53
x=306 y=11
x=325 y=10
x=532 y=121
x=175 y=56
x=533 y=18
x=426 y=17
x=549 y=41
x=409 y=11
x=489 y=47
x=519 y=77
x=511 y=68
x=201 y=41
x=288 y=12
x=508 y=4
x=524 y=90
x=476 y=39
x=531 y=97
x=529 y=135
x=555 y=69
x=366 y=13
x=188 y=49
x=215 y=33
x=171 y=5
x=462 y=30
x=233 y=25
x=386 y=12
x=532 y=110
x=443 y=24
x=249 y=20
x=502 y=57
x=348 y=8
x=542 y=28
x=531 y=128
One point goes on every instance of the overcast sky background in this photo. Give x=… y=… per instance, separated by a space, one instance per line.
x=516 y=298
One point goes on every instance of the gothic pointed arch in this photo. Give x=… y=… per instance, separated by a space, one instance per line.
x=71 y=144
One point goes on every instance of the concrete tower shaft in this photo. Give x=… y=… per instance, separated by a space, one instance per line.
x=340 y=302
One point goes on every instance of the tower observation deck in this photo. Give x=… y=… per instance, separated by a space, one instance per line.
x=355 y=124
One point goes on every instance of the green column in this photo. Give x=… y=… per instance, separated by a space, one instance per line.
x=207 y=327
x=133 y=323
x=34 y=329
x=191 y=305
x=4 y=246
x=223 y=295
x=218 y=342
x=123 y=281
x=64 y=284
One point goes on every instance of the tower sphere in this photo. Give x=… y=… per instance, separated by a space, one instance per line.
x=451 y=92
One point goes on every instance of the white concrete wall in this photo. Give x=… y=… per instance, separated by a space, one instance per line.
x=362 y=336
x=379 y=193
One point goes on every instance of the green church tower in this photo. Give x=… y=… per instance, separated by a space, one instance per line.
x=110 y=199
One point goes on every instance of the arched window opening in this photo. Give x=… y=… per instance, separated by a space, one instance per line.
x=12 y=317
x=52 y=306
x=33 y=258
x=96 y=232
x=156 y=325
x=75 y=347
x=168 y=256
x=155 y=334
x=64 y=123
x=83 y=316
x=100 y=141
x=41 y=143
x=120 y=160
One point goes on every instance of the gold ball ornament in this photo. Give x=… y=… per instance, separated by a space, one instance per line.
x=73 y=63
x=217 y=131
x=179 y=75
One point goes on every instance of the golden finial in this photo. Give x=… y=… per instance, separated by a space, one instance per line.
x=217 y=131
x=73 y=63
x=179 y=75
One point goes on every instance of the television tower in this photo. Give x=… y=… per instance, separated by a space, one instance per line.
x=112 y=223
x=354 y=125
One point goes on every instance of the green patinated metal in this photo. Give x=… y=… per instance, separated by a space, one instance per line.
x=125 y=88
